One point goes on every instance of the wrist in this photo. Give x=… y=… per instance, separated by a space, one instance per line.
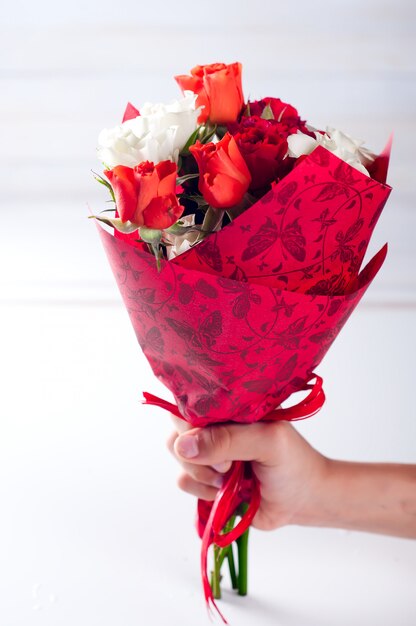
x=319 y=496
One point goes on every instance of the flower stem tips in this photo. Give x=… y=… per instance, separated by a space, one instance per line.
x=150 y=235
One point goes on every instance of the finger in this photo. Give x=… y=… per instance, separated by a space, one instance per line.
x=203 y=474
x=224 y=443
x=188 y=484
x=200 y=473
x=182 y=427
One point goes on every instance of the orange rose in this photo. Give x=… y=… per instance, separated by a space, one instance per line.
x=223 y=174
x=145 y=194
x=219 y=90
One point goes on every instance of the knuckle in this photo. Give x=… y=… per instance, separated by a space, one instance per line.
x=201 y=473
x=183 y=482
x=219 y=439
x=279 y=434
x=197 y=473
x=264 y=522
x=222 y=468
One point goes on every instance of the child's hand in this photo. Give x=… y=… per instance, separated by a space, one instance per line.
x=298 y=485
x=289 y=469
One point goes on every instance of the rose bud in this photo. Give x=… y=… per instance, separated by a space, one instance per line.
x=224 y=176
x=219 y=90
x=145 y=195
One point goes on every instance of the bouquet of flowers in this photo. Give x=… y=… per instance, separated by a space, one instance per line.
x=236 y=238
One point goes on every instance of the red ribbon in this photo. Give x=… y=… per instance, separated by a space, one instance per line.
x=241 y=484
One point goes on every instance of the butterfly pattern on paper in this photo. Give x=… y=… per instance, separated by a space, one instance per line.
x=235 y=325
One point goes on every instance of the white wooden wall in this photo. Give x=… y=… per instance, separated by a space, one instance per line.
x=67 y=70
x=80 y=461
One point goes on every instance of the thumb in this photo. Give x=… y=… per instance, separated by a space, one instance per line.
x=214 y=445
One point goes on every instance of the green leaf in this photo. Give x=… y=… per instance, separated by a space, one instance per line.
x=282 y=112
x=200 y=201
x=208 y=134
x=220 y=131
x=212 y=221
x=267 y=113
x=115 y=222
x=192 y=139
x=105 y=182
x=177 y=230
x=247 y=112
x=246 y=202
x=182 y=179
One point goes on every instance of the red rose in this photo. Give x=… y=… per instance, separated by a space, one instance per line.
x=145 y=194
x=219 y=90
x=282 y=112
x=223 y=174
x=263 y=144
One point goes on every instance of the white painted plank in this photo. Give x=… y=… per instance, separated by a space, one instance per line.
x=376 y=16
x=64 y=51
x=66 y=74
x=319 y=96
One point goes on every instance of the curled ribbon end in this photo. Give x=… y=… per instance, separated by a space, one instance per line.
x=212 y=609
x=307 y=407
x=149 y=398
x=211 y=612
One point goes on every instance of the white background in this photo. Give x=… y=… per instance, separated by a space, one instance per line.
x=93 y=531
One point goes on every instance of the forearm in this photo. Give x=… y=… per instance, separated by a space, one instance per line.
x=372 y=497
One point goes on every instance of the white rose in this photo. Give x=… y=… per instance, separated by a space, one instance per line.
x=158 y=134
x=343 y=146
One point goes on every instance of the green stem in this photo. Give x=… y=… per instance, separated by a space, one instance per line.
x=219 y=555
x=216 y=578
x=231 y=566
x=242 y=547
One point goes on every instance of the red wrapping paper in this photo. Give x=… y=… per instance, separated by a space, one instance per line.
x=238 y=323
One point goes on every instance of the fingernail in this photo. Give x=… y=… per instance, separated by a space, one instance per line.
x=187 y=446
x=221 y=467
